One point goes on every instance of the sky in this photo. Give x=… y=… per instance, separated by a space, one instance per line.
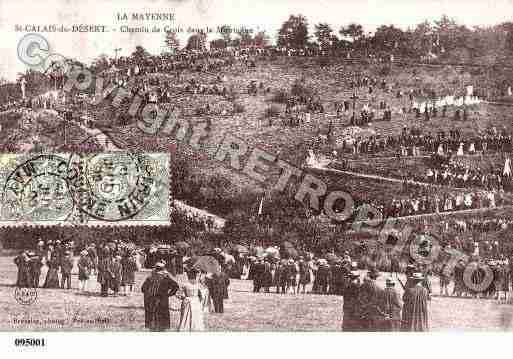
x=253 y=14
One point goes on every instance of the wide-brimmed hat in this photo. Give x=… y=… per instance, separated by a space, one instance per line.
x=354 y=274
x=417 y=276
x=373 y=273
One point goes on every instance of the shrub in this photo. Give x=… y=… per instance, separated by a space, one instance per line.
x=231 y=94
x=385 y=71
x=301 y=90
x=272 y=111
x=281 y=96
x=323 y=61
x=238 y=107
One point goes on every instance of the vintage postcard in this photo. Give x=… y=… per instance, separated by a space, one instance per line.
x=247 y=166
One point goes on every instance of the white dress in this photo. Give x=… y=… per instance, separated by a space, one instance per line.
x=191 y=312
x=460 y=150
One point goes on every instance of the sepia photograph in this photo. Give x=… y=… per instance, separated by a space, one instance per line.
x=256 y=166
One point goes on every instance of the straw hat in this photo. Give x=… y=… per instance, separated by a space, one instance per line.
x=417 y=276
x=354 y=274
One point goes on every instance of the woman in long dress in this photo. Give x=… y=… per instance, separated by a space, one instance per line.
x=206 y=298
x=52 y=276
x=191 y=312
x=85 y=266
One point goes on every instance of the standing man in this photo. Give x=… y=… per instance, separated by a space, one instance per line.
x=157 y=289
x=23 y=279
x=415 y=310
x=304 y=275
x=218 y=288
x=93 y=255
x=351 y=307
x=105 y=274
x=392 y=307
x=371 y=300
x=35 y=264
x=323 y=276
x=66 y=268
x=258 y=272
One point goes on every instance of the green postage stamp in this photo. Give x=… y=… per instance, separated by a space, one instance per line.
x=84 y=189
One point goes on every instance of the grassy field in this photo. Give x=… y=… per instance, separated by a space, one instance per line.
x=65 y=310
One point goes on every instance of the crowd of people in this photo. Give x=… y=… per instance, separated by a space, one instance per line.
x=460 y=175
x=489 y=279
x=114 y=264
x=366 y=306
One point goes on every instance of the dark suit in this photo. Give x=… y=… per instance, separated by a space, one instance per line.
x=371 y=301
x=218 y=289
x=105 y=274
x=157 y=289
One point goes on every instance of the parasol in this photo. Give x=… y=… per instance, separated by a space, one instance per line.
x=287 y=244
x=228 y=258
x=182 y=245
x=206 y=263
x=291 y=252
x=272 y=251
x=240 y=248
x=257 y=251
x=331 y=258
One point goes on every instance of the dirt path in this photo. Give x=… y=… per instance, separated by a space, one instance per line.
x=393 y=180
x=373 y=177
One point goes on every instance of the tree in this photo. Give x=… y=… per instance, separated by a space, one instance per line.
x=197 y=41
x=388 y=38
x=261 y=39
x=507 y=28
x=324 y=34
x=353 y=31
x=101 y=63
x=218 y=44
x=172 y=42
x=246 y=39
x=449 y=33
x=226 y=34
x=140 y=53
x=421 y=39
x=294 y=32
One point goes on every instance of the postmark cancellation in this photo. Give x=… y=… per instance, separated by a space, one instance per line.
x=84 y=189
